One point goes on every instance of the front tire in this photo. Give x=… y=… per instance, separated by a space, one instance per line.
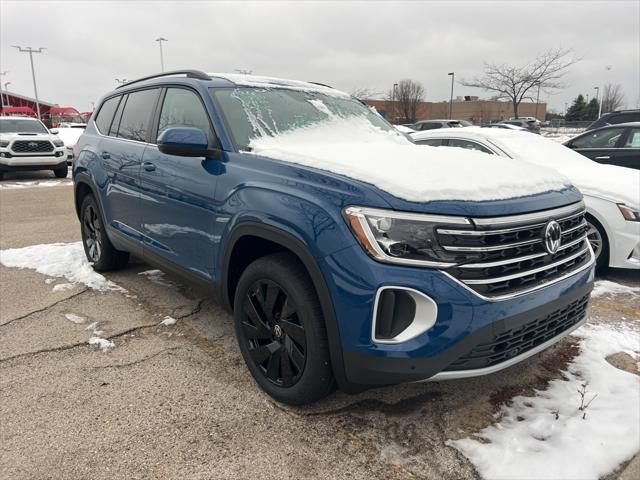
x=97 y=246
x=599 y=242
x=281 y=331
x=61 y=172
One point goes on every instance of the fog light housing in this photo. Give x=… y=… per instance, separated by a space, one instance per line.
x=401 y=314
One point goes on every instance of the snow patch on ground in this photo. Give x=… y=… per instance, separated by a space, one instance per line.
x=34 y=184
x=103 y=343
x=608 y=288
x=529 y=442
x=357 y=149
x=58 y=260
x=168 y=321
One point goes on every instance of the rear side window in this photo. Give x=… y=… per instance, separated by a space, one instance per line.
x=600 y=139
x=136 y=116
x=105 y=115
x=183 y=108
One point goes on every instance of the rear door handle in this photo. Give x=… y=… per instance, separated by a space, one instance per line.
x=148 y=166
x=106 y=155
x=605 y=157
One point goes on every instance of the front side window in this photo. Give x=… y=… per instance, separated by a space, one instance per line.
x=105 y=115
x=469 y=145
x=136 y=116
x=21 y=125
x=183 y=108
x=254 y=113
x=600 y=139
x=633 y=141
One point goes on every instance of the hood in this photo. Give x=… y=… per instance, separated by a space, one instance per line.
x=354 y=148
x=613 y=183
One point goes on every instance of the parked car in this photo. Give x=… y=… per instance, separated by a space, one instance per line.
x=612 y=194
x=434 y=124
x=530 y=124
x=615 y=145
x=507 y=126
x=26 y=144
x=615 y=118
x=316 y=223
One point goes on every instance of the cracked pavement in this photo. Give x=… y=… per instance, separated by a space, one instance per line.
x=176 y=401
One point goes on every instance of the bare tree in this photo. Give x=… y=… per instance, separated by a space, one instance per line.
x=517 y=82
x=405 y=102
x=612 y=97
x=364 y=93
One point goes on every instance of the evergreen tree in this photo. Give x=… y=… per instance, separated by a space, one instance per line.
x=577 y=110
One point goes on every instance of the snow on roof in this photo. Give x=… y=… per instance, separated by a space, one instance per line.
x=244 y=80
x=387 y=159
x=617 y=184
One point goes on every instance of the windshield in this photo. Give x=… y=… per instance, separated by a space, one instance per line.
x=21 y=125
x=253 y=113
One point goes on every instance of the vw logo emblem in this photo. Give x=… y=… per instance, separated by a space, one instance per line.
x=552 y=236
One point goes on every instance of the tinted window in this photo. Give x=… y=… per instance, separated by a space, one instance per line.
x=432 y=142
x=623 y=118
x=183 y=108
x=601 y=139
x=469 y=145
x=136 y=116
x=105 y=115
x=633 y=140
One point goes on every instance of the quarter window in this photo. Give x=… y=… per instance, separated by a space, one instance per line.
x=136 y=116
x=183 y=108
x=600 y=139
x=105 y=115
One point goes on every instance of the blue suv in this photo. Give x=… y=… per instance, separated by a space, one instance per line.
x=332 y=280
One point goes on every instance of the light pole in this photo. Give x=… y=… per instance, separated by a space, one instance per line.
x=537 y=100
x=453 y=75
x=597 y=89
x=31 y=51
x=6 y=89
x=393 y=102
x=160 y=40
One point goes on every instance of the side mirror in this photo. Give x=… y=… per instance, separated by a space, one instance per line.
x=54 y=131
x=184 y=142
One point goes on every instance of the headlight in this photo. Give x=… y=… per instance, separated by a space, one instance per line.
x=4 y=143
x=58 y=143
x=403 y=238
x=628 y=213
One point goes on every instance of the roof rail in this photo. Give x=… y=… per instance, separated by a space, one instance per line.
x=189 y=73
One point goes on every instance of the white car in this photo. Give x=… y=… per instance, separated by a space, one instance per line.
x=26 y=144
x=612 y=193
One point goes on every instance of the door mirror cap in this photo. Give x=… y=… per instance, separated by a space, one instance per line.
x=184 y=142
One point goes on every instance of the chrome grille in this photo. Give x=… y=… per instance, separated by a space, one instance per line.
x=32 y=146
x=506 y=256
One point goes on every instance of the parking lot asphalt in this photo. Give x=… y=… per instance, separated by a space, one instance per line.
x=175 y=401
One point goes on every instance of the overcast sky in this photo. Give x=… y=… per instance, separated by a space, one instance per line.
x=345 y=44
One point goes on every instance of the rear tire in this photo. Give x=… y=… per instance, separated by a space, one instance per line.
x=281 y=331
x=597 y=237
x=61 y=172
x=97 y=246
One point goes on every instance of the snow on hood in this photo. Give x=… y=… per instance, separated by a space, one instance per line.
x=617 y=184
x=355 y=148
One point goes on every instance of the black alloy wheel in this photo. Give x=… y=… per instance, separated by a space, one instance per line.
x=274 y=333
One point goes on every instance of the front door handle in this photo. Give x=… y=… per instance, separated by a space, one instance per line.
x=148 y=166
x=106 y=155
x=605 y=157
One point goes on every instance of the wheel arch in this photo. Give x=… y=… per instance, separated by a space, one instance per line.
x=265 y=239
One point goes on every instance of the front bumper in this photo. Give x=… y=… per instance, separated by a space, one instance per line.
x=465 y=324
